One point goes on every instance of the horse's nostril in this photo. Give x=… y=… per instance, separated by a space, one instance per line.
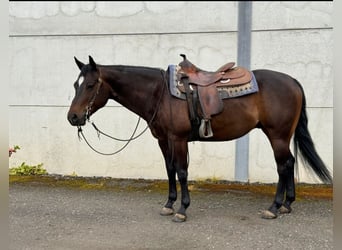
x=76 y=119
x=73 y=118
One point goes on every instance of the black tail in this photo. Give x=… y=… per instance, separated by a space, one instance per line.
x=308 y=153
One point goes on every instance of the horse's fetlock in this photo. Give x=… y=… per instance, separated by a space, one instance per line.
x=186 y=203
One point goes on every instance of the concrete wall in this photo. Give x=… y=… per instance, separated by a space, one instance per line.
x=292 y=37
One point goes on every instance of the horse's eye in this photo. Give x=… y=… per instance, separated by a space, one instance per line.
x=90 y=85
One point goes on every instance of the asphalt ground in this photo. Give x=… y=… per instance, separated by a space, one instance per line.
x=96 y=213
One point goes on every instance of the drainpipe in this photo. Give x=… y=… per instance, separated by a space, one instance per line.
x=244 y=60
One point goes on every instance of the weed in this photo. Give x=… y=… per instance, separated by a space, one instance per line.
x=25 y=169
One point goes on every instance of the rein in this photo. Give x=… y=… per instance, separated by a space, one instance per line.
x=132 y=137
x=80 y=132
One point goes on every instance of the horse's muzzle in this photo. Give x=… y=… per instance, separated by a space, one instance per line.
x=76 y=120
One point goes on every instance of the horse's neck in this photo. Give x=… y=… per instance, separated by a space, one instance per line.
x=135 y=87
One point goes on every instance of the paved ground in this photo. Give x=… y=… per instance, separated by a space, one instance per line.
x=50 y=216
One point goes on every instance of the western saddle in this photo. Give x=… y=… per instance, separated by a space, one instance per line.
x=207 y=84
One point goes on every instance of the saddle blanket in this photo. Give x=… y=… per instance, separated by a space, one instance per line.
x=176 y=88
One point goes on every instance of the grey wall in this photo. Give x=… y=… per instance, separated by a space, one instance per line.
x=292 y=37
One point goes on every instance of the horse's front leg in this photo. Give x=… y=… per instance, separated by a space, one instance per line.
x=180 y=162
x=167 y=150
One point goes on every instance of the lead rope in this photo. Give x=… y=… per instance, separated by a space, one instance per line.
x=118 y=139
x=80 y=131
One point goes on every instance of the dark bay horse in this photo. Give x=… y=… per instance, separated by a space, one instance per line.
x=278 y=109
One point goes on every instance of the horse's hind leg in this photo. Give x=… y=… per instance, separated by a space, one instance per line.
x=290 y=186
x=285 y=168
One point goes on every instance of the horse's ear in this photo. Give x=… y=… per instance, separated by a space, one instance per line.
x=92 y=63
x=79 y=64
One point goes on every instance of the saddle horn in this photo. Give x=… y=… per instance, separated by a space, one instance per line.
x=184 y=56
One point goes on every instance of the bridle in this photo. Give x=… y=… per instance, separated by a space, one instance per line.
x=92 y=100
x=99 y=132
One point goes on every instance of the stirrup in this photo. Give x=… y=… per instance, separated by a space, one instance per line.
x=205 y=130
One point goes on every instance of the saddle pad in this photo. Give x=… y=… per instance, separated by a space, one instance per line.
x=224 y=92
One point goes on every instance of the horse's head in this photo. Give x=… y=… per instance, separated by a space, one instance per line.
x=90 y=93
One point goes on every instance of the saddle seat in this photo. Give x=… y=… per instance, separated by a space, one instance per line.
x=224 y=76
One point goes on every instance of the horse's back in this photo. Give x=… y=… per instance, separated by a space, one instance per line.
x=277 y=80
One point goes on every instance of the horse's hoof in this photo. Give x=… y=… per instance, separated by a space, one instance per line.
x=179 y=218
x=266 y=214
x=166 y=211
x=285 y=210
